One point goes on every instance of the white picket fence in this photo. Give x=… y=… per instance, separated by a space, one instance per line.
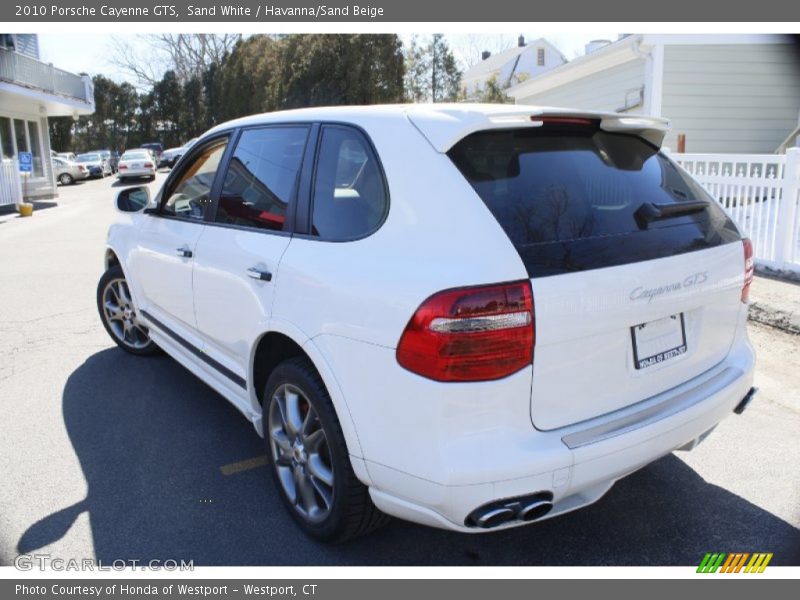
x=761 y=193
x=10 y=187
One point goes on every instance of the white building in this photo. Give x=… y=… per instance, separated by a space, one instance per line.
x=30 y=92
x=511 y=66
x=725 y=93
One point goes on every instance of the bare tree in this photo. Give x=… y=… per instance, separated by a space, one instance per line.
x=147 y=56
x=469 y=47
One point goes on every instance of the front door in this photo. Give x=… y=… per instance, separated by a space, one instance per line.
x=161 y=264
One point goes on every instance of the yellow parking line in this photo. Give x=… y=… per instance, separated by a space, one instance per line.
x=244 y=465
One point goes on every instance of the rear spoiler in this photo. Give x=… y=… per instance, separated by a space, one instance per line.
x=444 y=127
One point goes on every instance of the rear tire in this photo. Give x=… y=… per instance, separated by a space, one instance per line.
x=308 y=457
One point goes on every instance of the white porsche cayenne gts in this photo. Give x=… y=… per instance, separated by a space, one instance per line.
x=467 y=316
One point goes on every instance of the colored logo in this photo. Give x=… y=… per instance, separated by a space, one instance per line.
x=734 y=562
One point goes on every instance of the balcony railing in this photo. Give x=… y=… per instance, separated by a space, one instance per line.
x=29 y=72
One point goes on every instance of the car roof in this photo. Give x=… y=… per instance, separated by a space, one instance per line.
x=444 y=124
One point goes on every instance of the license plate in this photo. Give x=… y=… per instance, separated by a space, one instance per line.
x=136 y=166
x=658 y=341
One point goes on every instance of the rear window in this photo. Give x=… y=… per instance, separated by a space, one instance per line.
x=571 y=198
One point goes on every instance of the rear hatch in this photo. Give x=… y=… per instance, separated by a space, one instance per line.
x=636 y=272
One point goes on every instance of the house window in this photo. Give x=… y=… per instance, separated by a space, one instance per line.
x=540 y=57
x=6 y=138
x=35 y=147
x=19 y=135
x=7 y=41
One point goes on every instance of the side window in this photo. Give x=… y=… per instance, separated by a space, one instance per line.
x=189 y=197
x=349 y=198
x=262 y=177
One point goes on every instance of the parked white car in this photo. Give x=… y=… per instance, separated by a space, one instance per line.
x=467 y=316
x=136 y=163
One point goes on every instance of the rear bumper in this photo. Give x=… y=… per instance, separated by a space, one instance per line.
x=136 y=173
x=577 y=464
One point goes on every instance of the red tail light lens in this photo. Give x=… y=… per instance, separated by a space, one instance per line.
x=471 y=334
x=577 y=121
x=749 y=268
x=148 y=165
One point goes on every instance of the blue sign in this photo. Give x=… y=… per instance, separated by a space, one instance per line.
x=25 y=162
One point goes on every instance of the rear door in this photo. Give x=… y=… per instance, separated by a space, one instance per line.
x=236 y=270
x=636 y=272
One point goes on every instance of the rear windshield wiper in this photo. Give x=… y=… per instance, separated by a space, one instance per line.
x=649 y=211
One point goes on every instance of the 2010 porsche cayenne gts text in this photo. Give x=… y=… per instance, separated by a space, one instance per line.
x=467 y=316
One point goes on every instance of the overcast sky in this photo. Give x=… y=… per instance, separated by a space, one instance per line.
x=89 y=53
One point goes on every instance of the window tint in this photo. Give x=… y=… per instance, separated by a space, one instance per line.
x=262 y=177
x=350 y=199
x=569 y=197
x=189 y=197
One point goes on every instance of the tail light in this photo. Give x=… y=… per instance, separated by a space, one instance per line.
x=576 y=121
x=470 y=334
x=148 y=165
x=122 y=166
x=749 y=268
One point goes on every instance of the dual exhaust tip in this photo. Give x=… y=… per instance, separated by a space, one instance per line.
x=524 y=508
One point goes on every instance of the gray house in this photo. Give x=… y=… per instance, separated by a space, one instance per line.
x=30 y=92
x=725 y=93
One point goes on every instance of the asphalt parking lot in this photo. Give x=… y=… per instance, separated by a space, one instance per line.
x=112 y=456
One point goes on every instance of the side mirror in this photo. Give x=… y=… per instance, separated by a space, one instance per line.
x=133 y=199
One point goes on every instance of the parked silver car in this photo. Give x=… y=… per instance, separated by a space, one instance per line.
x=68 y=172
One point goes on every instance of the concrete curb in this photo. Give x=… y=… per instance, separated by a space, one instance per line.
x=775 y=302
x=774 y=317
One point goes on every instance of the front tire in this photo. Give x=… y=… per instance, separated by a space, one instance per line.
x=65 y=179
x=308 y=457
x=119 y=317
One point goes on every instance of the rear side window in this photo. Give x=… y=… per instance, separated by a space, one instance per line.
x=262 y=177
x=571 y=198
x=349 y=196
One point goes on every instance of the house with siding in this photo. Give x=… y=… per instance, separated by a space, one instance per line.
x=509 y=67
x=31 y=91
x=724 y=93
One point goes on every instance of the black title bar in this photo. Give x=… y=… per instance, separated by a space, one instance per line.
x=439 y=11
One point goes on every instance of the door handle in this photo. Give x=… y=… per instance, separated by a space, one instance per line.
x=183 y=252
x=259 y=274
